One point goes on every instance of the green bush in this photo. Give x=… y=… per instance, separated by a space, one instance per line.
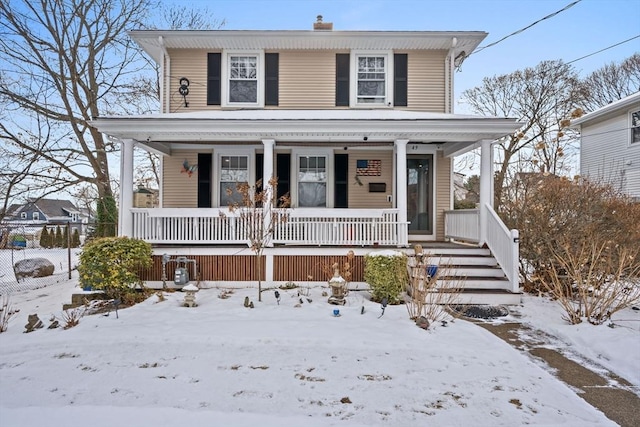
x=111 y=264
x=386 y=273
x=75 y=238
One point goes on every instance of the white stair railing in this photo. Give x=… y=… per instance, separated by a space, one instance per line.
x=504 y=244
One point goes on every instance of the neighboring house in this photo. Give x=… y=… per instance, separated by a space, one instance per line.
x=357 y=126
x=610 y=145
x=50 y=212
x=145 y=198
x=29 y=218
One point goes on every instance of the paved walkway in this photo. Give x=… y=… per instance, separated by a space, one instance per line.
x=609 y=393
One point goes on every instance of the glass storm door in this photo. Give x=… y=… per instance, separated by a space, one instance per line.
x=420 y=194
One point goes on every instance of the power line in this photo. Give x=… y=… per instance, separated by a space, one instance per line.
x=527 y=27
x=603 y=49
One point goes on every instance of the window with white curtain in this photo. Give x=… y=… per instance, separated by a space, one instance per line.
x=312 y=181
x=372 y=79
x=233 y=170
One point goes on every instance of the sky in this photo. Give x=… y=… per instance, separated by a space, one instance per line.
x=586 y=27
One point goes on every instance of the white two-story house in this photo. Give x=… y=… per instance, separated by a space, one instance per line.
x=357 y=127
x=610 y=145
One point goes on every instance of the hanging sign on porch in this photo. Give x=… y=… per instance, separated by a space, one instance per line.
x=368 y=167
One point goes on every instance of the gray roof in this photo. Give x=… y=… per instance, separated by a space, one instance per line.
x=52 y=208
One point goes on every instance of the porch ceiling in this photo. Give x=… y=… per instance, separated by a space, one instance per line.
x=163 y=132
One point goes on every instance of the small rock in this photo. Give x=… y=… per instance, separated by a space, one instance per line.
x=33 y=323
x=324 y=293
x=246 y=301
x=55 y=324
x=345 y=400
x=422 y=322
x=251 y=304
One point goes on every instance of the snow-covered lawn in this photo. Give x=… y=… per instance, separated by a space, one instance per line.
x=221 y=364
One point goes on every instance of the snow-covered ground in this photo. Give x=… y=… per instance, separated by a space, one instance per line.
x=221 y=364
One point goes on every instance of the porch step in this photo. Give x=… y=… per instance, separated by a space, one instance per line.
x=471 y=271
x=489 y=297
x=484 y=283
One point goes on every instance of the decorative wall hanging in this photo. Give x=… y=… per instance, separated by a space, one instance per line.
x=188 y=169
x=368 y=167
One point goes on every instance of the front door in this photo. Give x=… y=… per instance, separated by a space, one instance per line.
x=420 y=193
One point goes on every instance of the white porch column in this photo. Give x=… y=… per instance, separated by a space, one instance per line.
x=125 y=217
x=400 y=146
x=486 y=195
x=267 y=174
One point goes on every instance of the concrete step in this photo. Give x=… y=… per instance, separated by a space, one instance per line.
x=490 y=297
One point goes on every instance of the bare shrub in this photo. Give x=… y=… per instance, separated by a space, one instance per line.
x=6 y=313
x=72 y=316
x=429 y=296
x=579 y=241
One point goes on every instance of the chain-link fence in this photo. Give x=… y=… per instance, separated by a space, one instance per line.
x=35 y=256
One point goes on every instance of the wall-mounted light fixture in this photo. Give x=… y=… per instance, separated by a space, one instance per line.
x=184 y=89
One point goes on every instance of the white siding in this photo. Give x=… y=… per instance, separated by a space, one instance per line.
x=607 y=156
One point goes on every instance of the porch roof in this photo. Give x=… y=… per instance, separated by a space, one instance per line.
x=161 y=132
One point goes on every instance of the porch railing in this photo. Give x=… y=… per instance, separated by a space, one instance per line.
x=357 y=227
x=462 y=224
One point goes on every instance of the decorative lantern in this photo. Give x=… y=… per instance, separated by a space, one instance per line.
x=338 y=287
x=190 y=295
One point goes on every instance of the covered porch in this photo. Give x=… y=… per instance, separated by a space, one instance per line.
x=397 y=221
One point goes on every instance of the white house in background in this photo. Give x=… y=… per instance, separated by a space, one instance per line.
x=610 y=145
x=357 y=126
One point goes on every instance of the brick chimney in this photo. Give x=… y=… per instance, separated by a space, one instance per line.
x=322 y=26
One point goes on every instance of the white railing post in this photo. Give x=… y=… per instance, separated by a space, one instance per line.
x=125 y=226
x=515 y=256
x=267 y=191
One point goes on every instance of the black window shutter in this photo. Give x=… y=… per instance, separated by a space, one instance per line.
x=214 y=69
x=400 y=80
x=271 y=79
x=204 y=180
x=342 y=79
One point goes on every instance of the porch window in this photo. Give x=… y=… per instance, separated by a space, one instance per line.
x=635 y=127
x=312 y=181
x=233 y=170
x=371 y=79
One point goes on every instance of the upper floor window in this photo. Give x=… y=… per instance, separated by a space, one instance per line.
x=35 y=216
x=372 y=80
x=243 y=79
x=233 y=170
x=635 y=126
x=23 y=215
x=372 y=77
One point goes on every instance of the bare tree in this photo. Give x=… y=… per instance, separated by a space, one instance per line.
x=611 y=82
x=67 y=61
x=543 y=98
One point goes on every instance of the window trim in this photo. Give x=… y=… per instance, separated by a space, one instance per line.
x=630 y=133
x=260 y=77
x=389 y=80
